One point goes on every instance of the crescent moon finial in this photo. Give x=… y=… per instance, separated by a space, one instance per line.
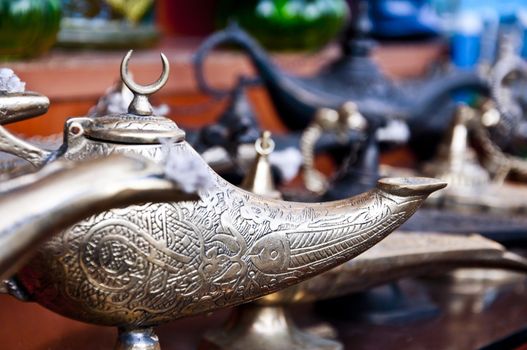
x=140 y=104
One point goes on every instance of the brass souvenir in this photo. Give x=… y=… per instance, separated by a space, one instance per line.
x=478 y=198
x=266 y=323
x=143 y=265
x=456 y=160
x=476 y=168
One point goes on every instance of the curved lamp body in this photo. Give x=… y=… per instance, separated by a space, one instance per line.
x=146 y=264
x=138 y=266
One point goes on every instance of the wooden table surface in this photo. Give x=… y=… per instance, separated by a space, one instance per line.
x=26 y=326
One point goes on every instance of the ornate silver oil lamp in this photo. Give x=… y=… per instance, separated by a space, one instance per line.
x=139 y=266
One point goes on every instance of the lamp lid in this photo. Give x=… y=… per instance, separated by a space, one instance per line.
x=139 y=125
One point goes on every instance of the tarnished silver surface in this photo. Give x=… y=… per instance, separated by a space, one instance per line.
x=33 y=207
x=138 y=266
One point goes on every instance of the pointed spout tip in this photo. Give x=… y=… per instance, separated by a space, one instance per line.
x=410 y=186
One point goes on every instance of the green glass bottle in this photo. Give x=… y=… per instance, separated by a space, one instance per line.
x=287 y=24
x=28 y=28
